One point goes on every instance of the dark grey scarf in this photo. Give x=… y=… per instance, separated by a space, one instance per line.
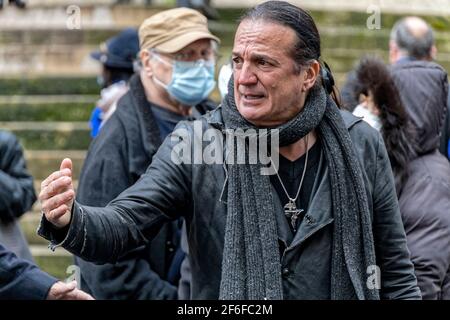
x=251 y=266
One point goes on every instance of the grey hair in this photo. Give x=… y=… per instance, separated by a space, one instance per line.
x=415 y=47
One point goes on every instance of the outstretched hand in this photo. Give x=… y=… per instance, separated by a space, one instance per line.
x=57 y=195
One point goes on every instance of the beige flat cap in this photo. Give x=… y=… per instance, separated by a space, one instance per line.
x=171 y=30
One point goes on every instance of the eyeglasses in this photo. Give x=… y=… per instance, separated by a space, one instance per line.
x=209 y=55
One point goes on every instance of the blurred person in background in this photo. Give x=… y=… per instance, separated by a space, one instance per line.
x=117 y=56
x=17 y=194
x=18 y=3
x=19 y=278
x=412 y=50
x=411 y=53
x=422 y=174
x=177 y=56
x=225 y=74
x=203 y=6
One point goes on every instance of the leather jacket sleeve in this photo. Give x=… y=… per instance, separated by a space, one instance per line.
x=103 y=235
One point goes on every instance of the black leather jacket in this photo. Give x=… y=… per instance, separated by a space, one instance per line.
x=102 y=234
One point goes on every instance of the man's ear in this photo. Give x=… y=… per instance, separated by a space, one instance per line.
x=433 y=52
x=145 y=57
x=311 y=75
x=393 y=52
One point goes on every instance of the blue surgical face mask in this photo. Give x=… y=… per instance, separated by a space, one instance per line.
x=191 y=82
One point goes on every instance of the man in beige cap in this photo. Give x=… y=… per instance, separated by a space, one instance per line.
x=178 y=56
x=177 y=52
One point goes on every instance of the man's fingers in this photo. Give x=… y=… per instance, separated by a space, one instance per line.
x=58 y=212
x=60 y=290
x=65 y=170
x=67 y=291
x=54 y=176
x=77 y=294
x=58 y=200
x=56 y=187
x=66 y=164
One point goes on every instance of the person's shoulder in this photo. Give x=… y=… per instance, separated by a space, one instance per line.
x=359 y=130
x=125 y=106
x=8 y=141
x=113 y=128
x=419 y=70
x=365 y=139
x=7 y=137
x=109 y=141
x=417 y=64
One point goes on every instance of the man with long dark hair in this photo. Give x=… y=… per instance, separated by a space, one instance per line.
x=324 y=225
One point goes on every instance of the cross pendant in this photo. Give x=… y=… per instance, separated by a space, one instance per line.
x=291 y=211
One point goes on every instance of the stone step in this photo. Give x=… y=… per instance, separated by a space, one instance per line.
x=41 y=163
x=48 y=85
x=51 y=135
x=107 y=14
x=62 y=60
x=74 y=60
x=342 y=25
x=48 y=37
x=55 y=263
x=406 y=6
x=75 y=16
x=353 y=37
x=44 y=126
x=437 y=7
x=44 y=251
x=67 y=60
x=343 y=60
x=46 y=108
x=47 y=49
x=29 y=223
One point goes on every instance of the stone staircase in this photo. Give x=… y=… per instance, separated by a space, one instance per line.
x=48 y=87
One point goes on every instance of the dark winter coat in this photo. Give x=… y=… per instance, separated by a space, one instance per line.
x=16 y=194
x=21 y=280
x=425 y=197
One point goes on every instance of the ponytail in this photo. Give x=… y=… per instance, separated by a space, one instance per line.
x=329 y=84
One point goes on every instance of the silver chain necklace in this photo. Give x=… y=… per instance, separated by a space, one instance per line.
x=290 y=208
